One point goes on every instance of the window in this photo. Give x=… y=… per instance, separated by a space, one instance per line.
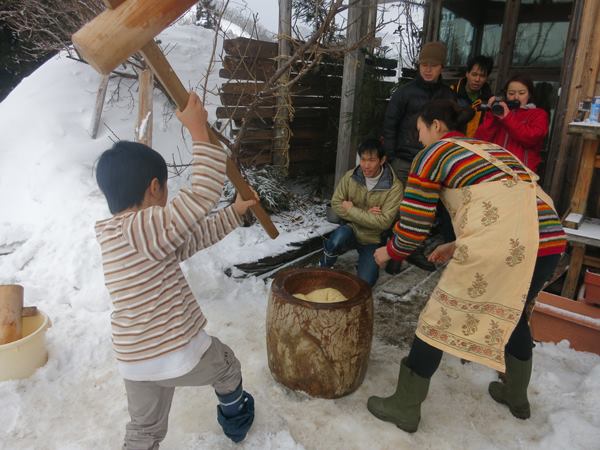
x=541 y=32
x=457 y=33
x=540 y=44
x=490 y=42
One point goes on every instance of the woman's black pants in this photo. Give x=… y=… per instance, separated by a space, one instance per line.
x=424 y=359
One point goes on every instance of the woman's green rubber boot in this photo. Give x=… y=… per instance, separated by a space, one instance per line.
x=404 y=407
x=513 y=392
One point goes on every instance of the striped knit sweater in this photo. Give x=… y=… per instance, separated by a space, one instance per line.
x=155 y=311
x=447 y=165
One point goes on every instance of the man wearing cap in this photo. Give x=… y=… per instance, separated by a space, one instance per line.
x=401 y=141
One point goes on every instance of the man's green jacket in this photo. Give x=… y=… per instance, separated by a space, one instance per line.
x=387 y=195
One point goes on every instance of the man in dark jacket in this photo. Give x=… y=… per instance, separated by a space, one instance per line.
x=401 y=141
x=473 y=89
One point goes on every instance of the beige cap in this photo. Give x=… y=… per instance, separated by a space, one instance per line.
x=433 y=53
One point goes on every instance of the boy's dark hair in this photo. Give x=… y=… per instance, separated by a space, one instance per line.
x=371 y=145
x=125 y=171
x=523 y=79
x=484 y=62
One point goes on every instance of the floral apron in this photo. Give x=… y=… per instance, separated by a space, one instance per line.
x=479 y=299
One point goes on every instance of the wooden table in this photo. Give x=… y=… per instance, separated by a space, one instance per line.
x=582 y=231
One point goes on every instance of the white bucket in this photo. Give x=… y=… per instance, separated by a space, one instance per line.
x=19 y=359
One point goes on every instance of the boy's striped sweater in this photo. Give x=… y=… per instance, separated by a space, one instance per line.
x=155 y=311
x=447 y=165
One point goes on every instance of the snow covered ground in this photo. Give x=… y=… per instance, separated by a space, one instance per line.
x=48 y=205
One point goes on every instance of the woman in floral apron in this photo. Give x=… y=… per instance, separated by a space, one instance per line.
x=508 y=242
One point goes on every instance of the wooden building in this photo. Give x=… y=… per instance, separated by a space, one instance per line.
x=555 y=42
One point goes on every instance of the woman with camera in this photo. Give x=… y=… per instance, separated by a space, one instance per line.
x=516 y=124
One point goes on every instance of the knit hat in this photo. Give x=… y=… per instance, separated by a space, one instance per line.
x=433 y=53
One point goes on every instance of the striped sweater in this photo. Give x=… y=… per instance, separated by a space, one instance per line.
x=155 y=311
x=447 y=165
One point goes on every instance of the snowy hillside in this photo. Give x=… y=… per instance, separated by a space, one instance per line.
x=48 y=205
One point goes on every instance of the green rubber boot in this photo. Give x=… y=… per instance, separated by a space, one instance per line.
x=513 y=392
x=404 y=407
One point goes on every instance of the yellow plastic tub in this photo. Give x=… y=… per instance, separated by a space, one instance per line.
x=19 y=359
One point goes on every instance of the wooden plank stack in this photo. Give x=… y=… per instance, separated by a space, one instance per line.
x=315 y=100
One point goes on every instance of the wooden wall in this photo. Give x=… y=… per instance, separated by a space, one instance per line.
x=315 y=101
x=580 y=80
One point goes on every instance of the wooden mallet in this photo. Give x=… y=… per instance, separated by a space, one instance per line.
x=129 y=26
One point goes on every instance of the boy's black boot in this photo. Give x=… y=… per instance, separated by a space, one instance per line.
x=513 y=392
x=235 y=413
x=403 y=408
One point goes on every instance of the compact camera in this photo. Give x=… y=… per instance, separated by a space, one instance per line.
x=496 y=107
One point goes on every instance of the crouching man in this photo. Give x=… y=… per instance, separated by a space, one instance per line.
x=367 y=199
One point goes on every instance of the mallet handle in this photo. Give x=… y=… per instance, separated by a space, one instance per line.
x=168 y=78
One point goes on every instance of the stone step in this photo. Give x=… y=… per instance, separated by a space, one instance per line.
x=402 y=284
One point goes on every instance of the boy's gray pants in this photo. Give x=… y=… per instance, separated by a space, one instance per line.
x=149 y=402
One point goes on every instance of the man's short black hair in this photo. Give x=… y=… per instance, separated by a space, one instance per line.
x=484 y=62
x=125 y=171
x=371 y=145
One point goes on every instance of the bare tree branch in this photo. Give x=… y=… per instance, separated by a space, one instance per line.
x=42 y=27
x=211 y=62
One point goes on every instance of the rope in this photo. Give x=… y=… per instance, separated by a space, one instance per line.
x=283 y=116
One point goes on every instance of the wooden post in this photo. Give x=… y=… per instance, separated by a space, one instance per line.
x=352 y=79
x=559 y=137
x=433 y=14
x=507 y=41
x=281 y=130
x=143 y=129
x=11 y=306
x=583 y=84
x=478 y=39
x=584 y=176
x=370 y=24
x=572 y=278
x=99 y=105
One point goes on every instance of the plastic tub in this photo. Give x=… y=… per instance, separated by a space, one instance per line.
x=19 y=359
x=555 y=318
